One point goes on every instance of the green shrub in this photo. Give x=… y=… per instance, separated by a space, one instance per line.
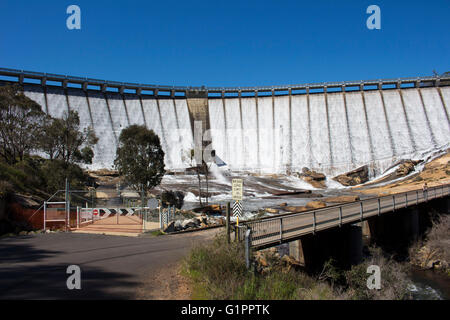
x=394 y=281
x=218 y=271
x=172 y=198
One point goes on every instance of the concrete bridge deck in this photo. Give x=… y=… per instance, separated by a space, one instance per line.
x=267 y=232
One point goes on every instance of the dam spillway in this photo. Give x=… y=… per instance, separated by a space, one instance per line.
x=326 y=127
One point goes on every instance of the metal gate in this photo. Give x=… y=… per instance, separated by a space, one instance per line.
x=55 y=213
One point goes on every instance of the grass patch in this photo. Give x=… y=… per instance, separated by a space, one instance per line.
x=217 y=271
x=156 y=233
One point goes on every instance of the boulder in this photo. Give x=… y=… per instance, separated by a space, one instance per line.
x=190 y=223
x=342 y=199
x=290 y=262
x=316 y=204
x=316 y=179
x=284 y=204
x=354 y=177
x=271 y=210
x=211 y=209
x=295 y=209
x=406 y=167
x=178 y=225
x=170 y=227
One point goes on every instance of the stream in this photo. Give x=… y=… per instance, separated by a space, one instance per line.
x=429 y=285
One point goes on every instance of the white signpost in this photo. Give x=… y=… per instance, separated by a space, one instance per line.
x=237 y=190
x=237 y=187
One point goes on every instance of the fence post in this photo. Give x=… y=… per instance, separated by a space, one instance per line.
x=417 y=197
x=248 y=235
x=45 y=214
x=379 y=206
x=67 y=204
x=340 y=216
x=281 y=229
x=228 y=222
x=314 y=222
x=361 y=215
x=393 y=199
x=160 y=218
x=78 y=217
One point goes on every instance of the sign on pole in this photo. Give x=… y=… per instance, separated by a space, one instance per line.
x=237 y=188
x=237 y=209
x=152 y=203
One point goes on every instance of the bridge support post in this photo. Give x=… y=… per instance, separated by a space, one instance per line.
x=355 y=243
x=345 y=245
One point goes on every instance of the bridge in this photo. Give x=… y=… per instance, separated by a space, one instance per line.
x=271 y=231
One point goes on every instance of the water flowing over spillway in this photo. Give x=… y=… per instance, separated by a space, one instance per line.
x=331 y=132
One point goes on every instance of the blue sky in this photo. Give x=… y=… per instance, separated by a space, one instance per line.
x=226 y=43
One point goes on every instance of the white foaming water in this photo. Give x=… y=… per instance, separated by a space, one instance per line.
x=218 y=175
x=379 y=129
x=338 y=130
x=300 y=132
x=319 y=132
x=358 y=128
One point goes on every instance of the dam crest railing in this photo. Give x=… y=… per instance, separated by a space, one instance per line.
x=65 y=81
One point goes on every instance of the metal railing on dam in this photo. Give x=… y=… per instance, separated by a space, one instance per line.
x=137 y=88
x=270 y=231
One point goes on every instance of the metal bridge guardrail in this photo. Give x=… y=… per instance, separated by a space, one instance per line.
x=273 y=230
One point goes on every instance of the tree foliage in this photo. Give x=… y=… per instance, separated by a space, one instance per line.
x=63 y=139
x=20 y=123
x=140 y=158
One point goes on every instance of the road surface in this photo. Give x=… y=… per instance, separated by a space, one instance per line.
x=34 y=267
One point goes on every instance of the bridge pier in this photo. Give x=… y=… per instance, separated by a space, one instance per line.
x=343 y=244
x=392 y=231
x=397 y=230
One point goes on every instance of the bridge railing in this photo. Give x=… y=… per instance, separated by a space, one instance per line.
x=272 y=230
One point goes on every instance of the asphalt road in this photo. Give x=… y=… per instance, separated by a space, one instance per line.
x=112 y=267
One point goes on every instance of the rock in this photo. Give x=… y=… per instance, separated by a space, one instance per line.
x=316 y=204
x=170 y=227
x=211 y=209
x=190 y=223
x=262 y=261
x=284 y=204
x=341 y=199
x=313 y=174
x=178 y=225
x=295 y=209
x=406 y=167
x=290 y=262
x=354 y=177
x=314 y=178
x=271 y=210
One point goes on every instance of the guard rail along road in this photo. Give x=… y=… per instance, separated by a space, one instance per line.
x=266 y=232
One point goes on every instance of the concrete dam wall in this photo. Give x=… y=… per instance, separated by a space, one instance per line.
x=331 y=131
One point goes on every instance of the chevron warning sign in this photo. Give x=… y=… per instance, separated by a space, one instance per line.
x=237 y=209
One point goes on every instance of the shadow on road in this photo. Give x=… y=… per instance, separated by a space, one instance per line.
x=25 y=274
